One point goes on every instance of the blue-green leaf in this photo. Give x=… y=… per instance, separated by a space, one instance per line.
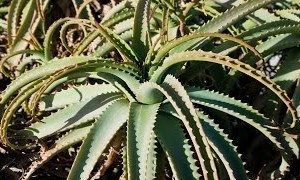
x=101 y=133
x=140 y=141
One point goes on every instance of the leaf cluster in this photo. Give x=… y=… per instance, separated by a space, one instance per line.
x=154 y=89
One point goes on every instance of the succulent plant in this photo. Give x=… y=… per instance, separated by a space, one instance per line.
x=153 y=89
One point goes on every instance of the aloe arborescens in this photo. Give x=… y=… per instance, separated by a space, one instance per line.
x=144 y=101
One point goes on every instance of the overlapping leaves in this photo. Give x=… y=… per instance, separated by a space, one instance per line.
x=142 y=94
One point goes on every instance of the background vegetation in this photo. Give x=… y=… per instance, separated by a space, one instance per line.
x=145 y=89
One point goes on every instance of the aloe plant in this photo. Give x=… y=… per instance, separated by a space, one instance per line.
x=138 y=92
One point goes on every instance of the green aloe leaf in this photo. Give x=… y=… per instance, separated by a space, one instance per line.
x=140 y=141
x=72 y=116
x=101 y=133
x=176 y=94
x=141 y=29
x=225 y=20
x=70 y=138
x=177 y=148
x=74 y=95
x=128 y=54
x=224 y=148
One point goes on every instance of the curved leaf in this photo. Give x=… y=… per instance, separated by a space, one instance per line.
x=128 y=54
x=228 y=105
x=230 y=62
x=140 y=42
x=73 y=95
x=140 y=141
x=224 y=149
x=102 y=131
x=177 y=147
x=67 y=140
x=72 y=116
x=175 y=93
